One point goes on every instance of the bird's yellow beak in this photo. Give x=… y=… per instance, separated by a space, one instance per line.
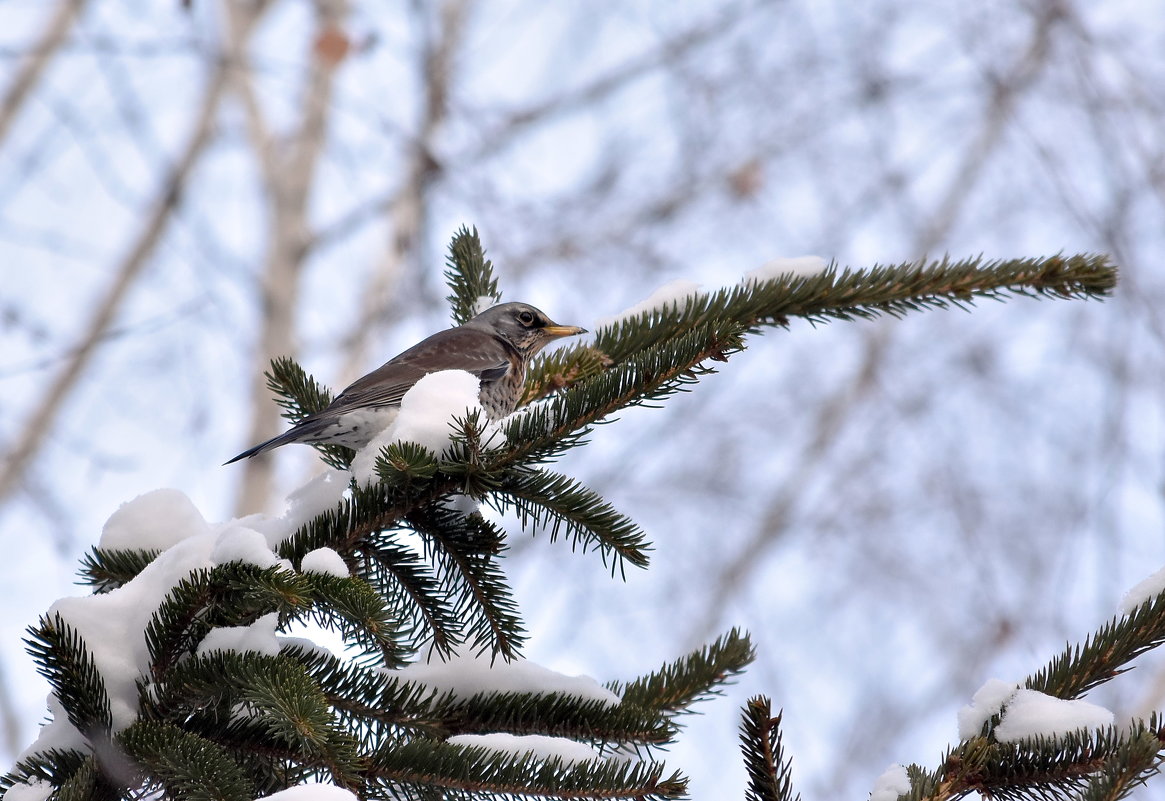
x=556 y=331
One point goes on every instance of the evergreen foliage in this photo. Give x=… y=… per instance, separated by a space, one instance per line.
x=676 y=686
x=1103 y=764
x=769 y=772
x=1104 y=655
x=63 y=660
x=426 y=578
x=106 y=569
x=470 y=277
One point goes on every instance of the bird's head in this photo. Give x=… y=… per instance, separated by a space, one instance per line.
x=525 y=327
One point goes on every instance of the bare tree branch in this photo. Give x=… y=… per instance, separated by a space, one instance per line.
x=46 y=409
x=54 y=35
x=1005 y=94
x=288 y=176
x=519 y=122
x=407 y=210
x=1006 y=91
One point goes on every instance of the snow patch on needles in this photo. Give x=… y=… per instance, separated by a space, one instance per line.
x=325 y=560
x=1027 y=713
x=242 y=544
x=112 y=625
x=467 y=674
x=1031 y=714
x=35 y=790
x=259 y=636
x=797 y=267
x=677 y=294
x=58 y=734
x=321 y=494
x=311 y=792
x=153 y=521
x=893 y=782
x=426 y=417
x=1145 y=590
x=484 y=303
x=988 y=700
x=461 y=504
x=539 y=745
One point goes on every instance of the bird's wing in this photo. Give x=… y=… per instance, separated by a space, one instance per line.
x=455 y=349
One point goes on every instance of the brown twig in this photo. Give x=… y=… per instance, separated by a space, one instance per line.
x=54 y=35
x=288 y=175
x=48 y=406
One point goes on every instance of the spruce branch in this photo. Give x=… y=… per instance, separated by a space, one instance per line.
x=545 y=431
x=184 y=765
x=255 y=704
x=469 y=458
x=543 y=499
x=464 y=547
x=289 y=704
x=1138 y=757
x=1102 y=764
x=86 y=783
x=769 y=771
x=404 y=465
x=562 y=368
x=928 y=785
x=106 y=569
x=363 y=695
x=676 y=686
x=63 y=659
x=352 y=608
x=422 y=609
x=296 y=392
x=557 y=715
x=1104 y=654
x=235 y=594
x=74 y=772
x=426 y=596
x=648 y=358
x=232 y=594
x=269 y=762
x=833 y=295
x=470 y=277
x=423 y=764
x=368 y=510
x=1050 y=766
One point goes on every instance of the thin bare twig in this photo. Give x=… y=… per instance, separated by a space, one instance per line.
x=54 y=35
x=46 y=409
x=519 y=122
x=1000 y=103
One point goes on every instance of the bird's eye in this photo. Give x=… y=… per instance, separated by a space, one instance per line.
x=526 y=318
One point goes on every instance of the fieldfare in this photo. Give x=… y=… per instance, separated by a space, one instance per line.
x=494 y=346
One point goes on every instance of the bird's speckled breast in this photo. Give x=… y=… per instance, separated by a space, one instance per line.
x=499 y=398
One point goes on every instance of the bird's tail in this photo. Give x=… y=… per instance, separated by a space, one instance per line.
x=287 y=436
x=312 y=428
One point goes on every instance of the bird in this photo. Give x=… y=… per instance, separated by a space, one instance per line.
x=494 y=346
